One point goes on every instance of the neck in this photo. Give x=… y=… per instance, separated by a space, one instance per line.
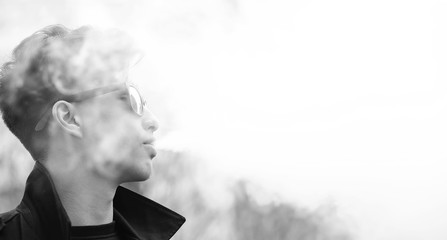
x=87 y=204
x=87 y=199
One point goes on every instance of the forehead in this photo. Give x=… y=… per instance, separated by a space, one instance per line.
x=86 y=75
x=104 y=81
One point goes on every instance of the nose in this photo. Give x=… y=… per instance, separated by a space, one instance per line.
x=149 y=121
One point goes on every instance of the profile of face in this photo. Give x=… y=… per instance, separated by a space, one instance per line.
x=117 y=142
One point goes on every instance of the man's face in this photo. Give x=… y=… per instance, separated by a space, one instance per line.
x=117 y=141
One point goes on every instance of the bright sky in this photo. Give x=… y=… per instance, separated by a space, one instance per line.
x=342 y=101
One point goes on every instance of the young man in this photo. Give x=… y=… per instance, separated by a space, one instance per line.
x=67 y=98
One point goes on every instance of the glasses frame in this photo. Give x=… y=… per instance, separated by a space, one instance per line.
x=88 y=94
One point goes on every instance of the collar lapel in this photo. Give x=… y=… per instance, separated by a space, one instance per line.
x=49 y=216
x=149 y=219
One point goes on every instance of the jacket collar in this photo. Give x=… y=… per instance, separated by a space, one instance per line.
x=135 y=215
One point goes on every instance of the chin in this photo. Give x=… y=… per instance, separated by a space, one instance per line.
x=138 y=173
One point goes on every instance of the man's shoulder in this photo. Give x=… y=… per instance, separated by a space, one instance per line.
x=12 y=225
x=6 y=219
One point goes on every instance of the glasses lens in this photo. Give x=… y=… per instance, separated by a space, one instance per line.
x=135 y=100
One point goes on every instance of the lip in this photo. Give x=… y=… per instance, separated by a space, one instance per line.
x=150 y=149
x=149 y=141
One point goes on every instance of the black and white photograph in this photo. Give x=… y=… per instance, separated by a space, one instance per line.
x=223 y=120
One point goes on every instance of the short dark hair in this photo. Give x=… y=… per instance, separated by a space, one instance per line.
x=40 y=69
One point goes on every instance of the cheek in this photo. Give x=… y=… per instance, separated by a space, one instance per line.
x=117 y=154
x=114 y=137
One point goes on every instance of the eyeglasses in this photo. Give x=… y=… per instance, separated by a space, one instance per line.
x=136 y=101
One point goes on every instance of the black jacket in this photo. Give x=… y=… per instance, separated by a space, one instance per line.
x=40 y=214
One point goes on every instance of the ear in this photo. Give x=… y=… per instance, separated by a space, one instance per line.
x=65 y=115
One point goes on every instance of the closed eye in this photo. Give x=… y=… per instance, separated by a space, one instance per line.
x=123 y=97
